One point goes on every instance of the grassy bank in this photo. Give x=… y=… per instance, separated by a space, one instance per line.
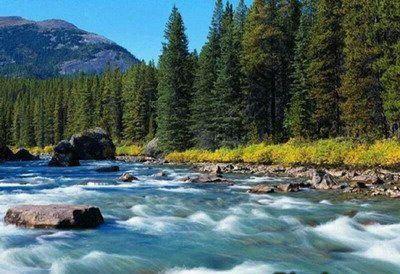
x=333 y=152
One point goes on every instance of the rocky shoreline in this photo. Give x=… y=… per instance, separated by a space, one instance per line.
x=353 y=182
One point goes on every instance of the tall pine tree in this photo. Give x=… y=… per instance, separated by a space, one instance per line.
x=175 y=87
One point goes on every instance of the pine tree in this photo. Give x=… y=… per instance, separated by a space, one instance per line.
x=361 y=89
x=261 y=61
x=387 y=35
x=228 y=116
x=203 y=127
x=299 y=115
x=326 y=66
x=174 y=88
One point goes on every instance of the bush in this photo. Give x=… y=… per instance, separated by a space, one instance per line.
x=128 y=150
x=329 y=152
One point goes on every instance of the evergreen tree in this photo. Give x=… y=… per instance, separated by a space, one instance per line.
x=175 y=87
x=228 y=116
x=299 y=115
x=361 y=89
x=387 y=35
x=261 y=61
x=202 y=125
x=326 y=66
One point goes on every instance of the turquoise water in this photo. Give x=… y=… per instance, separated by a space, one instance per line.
x=166 y=226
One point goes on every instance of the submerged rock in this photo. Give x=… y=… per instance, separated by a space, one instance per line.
x=64 y=155
x=262 y=189
x=24 y=155
x=54 y=216
x=108 y=169
x=207 y=179
x=127 y=177
x=94 y=144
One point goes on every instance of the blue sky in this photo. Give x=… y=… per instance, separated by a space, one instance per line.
x=137 y=25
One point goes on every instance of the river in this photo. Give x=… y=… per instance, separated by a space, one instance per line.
x=161 y=225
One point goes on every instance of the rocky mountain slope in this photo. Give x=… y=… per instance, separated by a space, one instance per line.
x=55 y=47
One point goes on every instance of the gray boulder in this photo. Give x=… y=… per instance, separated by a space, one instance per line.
x=64 y=155
x=54 y=216
x=94 y=144
x=151 y=149
x=323 y=180
x=127 y=177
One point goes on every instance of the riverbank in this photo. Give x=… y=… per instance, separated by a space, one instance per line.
x=351 y=182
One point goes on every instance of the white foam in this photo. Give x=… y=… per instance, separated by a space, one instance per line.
x=201 y=217
x=96 y=262
x=285 y=202
x=381 y=242
x=247 y=267
x=325 y=202
x=182 y=190
x=151 y=224
x=229 y=224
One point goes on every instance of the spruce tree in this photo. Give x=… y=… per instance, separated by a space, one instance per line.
x=361 y=89
x=387 y=35
x=227 y=106
x=298 y=119
x=326 y=66
x=174 y=88
x=202 y=125
x=261 y=61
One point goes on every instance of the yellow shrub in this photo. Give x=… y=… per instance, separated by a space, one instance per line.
x=128 y=150
x=329 y=152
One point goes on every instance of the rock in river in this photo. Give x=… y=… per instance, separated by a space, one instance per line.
x=93 y=144
x=127 y=177
x=207 y=179
x=24 y=155
x=108 y=169
x=6 y=154
x=54 y=216
x=64 y=155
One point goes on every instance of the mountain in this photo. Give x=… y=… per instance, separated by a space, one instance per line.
x=55 y=47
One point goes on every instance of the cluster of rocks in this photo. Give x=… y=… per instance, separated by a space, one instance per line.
x=22 y=154
x=94 y=144
x=378 y=182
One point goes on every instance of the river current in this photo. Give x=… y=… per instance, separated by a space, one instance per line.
x=162 y=225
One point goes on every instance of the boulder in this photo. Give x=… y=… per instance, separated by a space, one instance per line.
x=161 y=174
x=323 y=180
x=94 y=144
x=6 y=154
x=54 y=216
x=64 y=155
x=127 y=177
x=262 y=189
x=372 y=179
x=151 y=149
x=108 y=169
x=207 y=179
x=290 y=187
x=24 y=155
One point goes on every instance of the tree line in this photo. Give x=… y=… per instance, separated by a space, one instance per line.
x=278 y=69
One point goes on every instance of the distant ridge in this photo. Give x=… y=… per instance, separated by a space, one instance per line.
x=55 y=47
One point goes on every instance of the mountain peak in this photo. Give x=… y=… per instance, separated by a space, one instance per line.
x=55 y=47
x=56 y=24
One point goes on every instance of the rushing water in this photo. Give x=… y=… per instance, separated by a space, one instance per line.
x=166 y=226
